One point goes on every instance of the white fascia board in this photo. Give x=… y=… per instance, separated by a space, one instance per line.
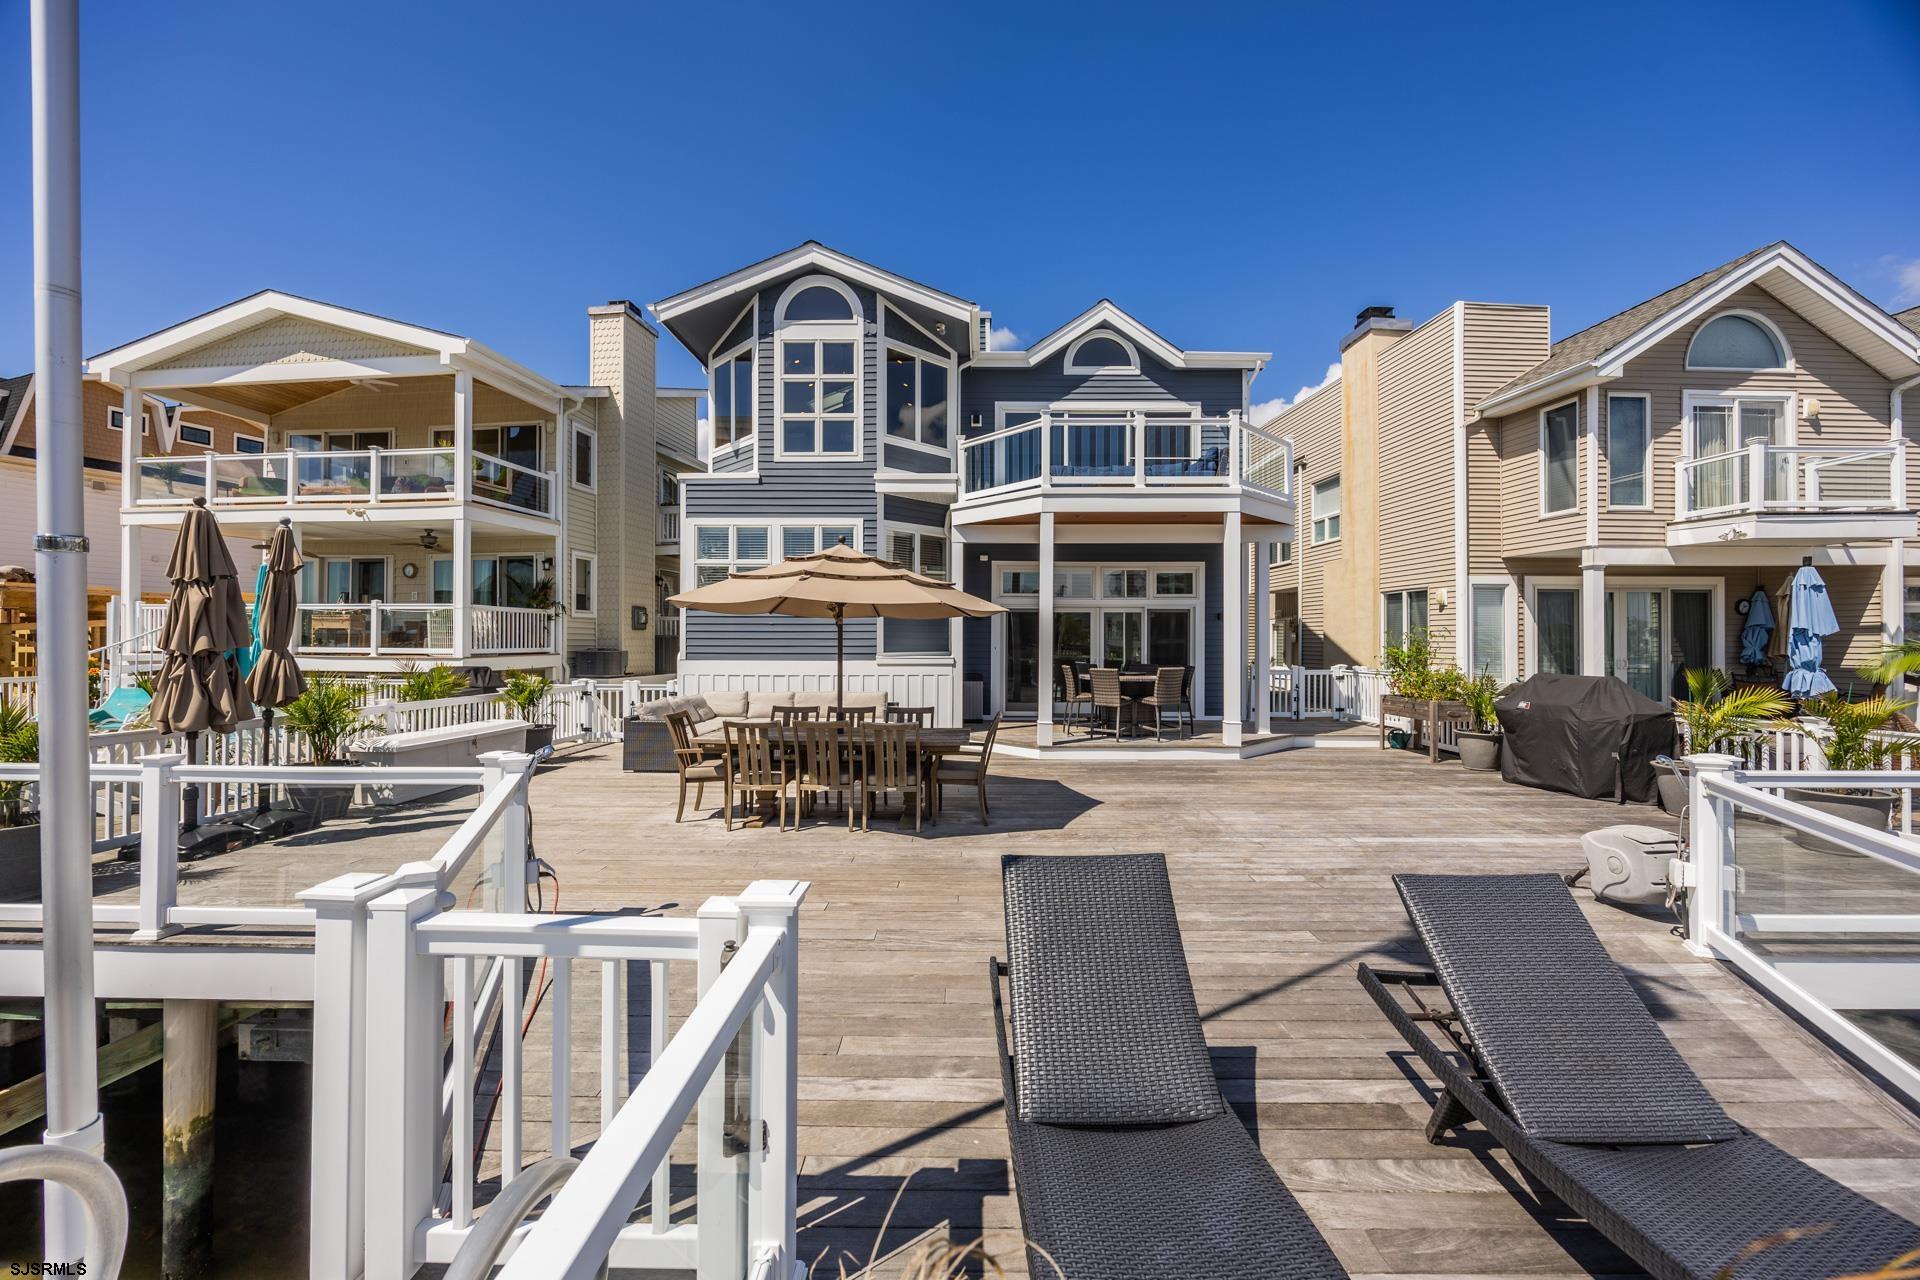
x=1554 y=386
x=505 y=375
x=1106 y=315
x=312 y=371
x=1255 y=360
x=812 y=255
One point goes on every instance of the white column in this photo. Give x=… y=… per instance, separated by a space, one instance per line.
x=1709 y=828
x=129 y=533
x=719 y=1245
x=1262 y=636
x=1043 y=722
x=1893 y=601
x=462 y=436
x=957 y=629
x=463 y=581
x=1593 y=620
x=1233 y=640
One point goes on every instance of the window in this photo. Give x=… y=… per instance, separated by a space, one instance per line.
x=117 y=418
x=1173 y=583
x=1326 y=510
x=730 y=398
x=584 y=442
x=1072 y=584
x=723 y=549
x=191 y=434
x=583 y=584
x=1556 y=618
x=805 y=539
x=1911 y=615
x=1283 y=552
x=816 y=302
x=1124 y=584
x=916 y=399
x=1402 y=613
x=518 y=444
x=922 y=550
x=1019 y=582
x=669 y=488
x=1628 y=441
x=1560 y=458
x=1098 y=352
x=1737 y=341
x=249 y=444
x=1487 y=639
x=819 y=342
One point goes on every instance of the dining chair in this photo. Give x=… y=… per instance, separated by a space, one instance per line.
x=814 y=753
x=922 y=716
x=696 y=766
x=851 y=715
x=758 y=770
x=889 y=756
x=788 y=715
x=1108 y=696
x=1186 y=693
x=1165 y=700
x=967 y=769
x=1073 y=695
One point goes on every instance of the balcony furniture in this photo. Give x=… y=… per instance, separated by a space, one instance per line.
x=921 y=716
x=793 y=715
x=1073 y=695
x=1549 y=1048
x=1108 y=697
x=967 y=768
x=759 y=772
x=1186 y=692
x=712 y=708
x=1126 y=1159
x=1166 y=701
x=694 y=764
x=888 y=758
x=815 y=753
x=852 y=714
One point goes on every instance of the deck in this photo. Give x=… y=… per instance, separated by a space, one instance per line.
x=1280 y=867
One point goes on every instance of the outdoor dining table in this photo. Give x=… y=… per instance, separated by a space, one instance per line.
x=935 y=743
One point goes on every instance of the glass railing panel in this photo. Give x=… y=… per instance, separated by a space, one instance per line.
x=411 y=473
x=510 y=485
x=334 y=475
x=1092 y=449
x=1013 y=458
x=1848 y=479
x=336 y=627
x=173 y=479
x=1716 y=483
x=423 y=627
x=251 y=477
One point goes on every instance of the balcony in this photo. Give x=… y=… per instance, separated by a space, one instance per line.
x=669 y=539
x=377 y=630
x=341 y=477
x=1793 y=493
x=1079 y=461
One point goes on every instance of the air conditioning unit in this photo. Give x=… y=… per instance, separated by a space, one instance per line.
x=597 y=662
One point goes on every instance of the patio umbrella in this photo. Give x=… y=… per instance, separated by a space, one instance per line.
x=1754 y=637
x=1809 y=617
x=837 y=583
x=276 y=679
x=199 y=685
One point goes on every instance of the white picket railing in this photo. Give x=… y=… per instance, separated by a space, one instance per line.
x=1764 y=866
x=22 y=692
x=505 y=629
x=1340 y=693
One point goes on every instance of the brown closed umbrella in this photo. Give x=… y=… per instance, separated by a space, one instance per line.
x=837 y=583
x=277 y=678
x=199 y=685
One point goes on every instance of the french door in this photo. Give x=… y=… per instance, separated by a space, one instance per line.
x=1654 y=635
x=1127 y=637
x=1722 y=427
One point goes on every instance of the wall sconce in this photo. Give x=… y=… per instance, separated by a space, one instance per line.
x=1810 y=409
x=974 y=422
x=546 y=564
x=1442 y=598
x=638 y=617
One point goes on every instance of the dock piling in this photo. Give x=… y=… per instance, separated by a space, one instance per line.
x=191 y=1034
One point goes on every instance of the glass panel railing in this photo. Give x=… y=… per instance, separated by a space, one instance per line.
x=345 y=474
x=1715 y=483
x=412 y=473
x=423 y=627
x=179 y=479
x=251 y=477
x=1004 y=458
x=1092 y=448
x=345 y=626
x=1848 y=479
x=504 y=482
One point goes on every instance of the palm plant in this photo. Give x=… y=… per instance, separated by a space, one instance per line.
x=527 y=694
x=1896 y=663
x=1716 y=715
x=428 y=684
x=329 y=714
x=19 y=744
x=1480 y=694
x=1856 y=737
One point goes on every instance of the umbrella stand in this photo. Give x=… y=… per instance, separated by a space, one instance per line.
x=190 y=794
x=266 y=756
x=840 y=654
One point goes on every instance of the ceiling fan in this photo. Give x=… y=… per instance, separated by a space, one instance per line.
x=429 y=539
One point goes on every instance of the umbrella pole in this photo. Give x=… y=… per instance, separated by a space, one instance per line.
x=840 y=654
x=190 y=794
x=266 y=756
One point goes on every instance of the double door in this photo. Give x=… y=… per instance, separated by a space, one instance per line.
x=1654 y=634
x=1109 y=637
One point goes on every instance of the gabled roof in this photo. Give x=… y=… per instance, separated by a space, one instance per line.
x=1909 y=318
x=1108 y=315
x=1599 y=350
x=13 y=398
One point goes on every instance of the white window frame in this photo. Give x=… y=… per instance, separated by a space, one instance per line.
x=592 y=562
x=668 y=475
x=816 y=332
x=917 y=441
x=1779 y=339
x=1546 y=512
x=776 y=539
x=1406 y=595
x=184 y=427
x=1532 y=588
x=1691 y=400
x=592 y=484
x=1099 y=570
x=1314 y=514
x=260 y=440
x=718 y=359
x=1646 y=450
x=818 y=524
x=1511 y=624
x=117 y=416
x=1072 y=361
x=888 y=528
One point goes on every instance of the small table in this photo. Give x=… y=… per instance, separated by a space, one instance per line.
x=1423 y=713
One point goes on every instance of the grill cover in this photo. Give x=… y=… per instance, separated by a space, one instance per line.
x=1562 y=733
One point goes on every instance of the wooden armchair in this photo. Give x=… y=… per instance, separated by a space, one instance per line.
x=968 y=769
x=696 y=766
x=758 y=769
x=889 y=757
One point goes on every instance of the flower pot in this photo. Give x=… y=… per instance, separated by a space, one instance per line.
x=322 y=804
x=539 y=737
x=20 y=863
x=1478 y=750
x=1873 y=809
x=1672 y=790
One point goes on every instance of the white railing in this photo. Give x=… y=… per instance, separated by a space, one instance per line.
x=1796 y=896
x=377 y=628
x=1340 y=693
x=339 y=476
x=1766 y=477
x=1141 y=450
x=22 y=692
x=117 y=799
x=1799 y=744
x=585 y=711
x=669 y=526
x=506 y=629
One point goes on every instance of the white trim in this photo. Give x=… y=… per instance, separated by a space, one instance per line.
x=574 y=557
x=260 y=440
x=1531 y=587
x=818 y=256
x=1690 y=399
x=1779 y=340
x=776 y=528
x=883 y=547
x=1133 y=354
x=1533 y=584
x=818 y=334
x=116 y=420
x=715 y=359
x=1406 y=595
x=1646 y=449
x=887 y=347
x=832 y=283
x=1461 y=585
x=573 y=457
x=180 y=434
x=1510 y=608
x=1546 y=514
x=1313 y=510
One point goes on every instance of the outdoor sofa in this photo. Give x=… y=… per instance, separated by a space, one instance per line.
x=1127 y=1161
x=1548 y=1047
x=649 y=749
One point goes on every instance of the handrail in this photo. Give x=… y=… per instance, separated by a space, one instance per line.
x=511 y=466
x=93 y=1183
x=489 y=1238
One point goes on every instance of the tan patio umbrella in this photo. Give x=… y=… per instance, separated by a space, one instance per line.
x=837 y=583
x=277 y=678
x=199 y=685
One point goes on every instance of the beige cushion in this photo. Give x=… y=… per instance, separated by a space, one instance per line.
x=721 y=704
x=878 y=701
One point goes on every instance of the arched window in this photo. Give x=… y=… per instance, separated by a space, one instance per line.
x=817 y=325
x=1737 y=340
x=1101 y=351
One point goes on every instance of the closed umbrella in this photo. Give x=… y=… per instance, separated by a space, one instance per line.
x=1755 y=636
x=276 y=679
x=199 y=685
x=837 y=583
x=1809 y=617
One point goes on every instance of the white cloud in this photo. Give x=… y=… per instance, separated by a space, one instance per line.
x=703 y=437
x=1906 y=277
x=1001 y=338
x=1266 y=411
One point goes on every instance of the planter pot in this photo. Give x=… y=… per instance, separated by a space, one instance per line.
x=1672 y=790
x=539 y=737
x=1872 y=809
x=20 y=863
x=322 y=804
x=1478 y=750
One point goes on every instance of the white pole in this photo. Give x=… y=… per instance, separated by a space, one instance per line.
x=60 y=566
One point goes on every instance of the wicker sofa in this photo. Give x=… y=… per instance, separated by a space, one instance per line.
x=648 y=749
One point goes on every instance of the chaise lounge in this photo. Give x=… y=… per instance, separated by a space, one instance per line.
x=1128 y=1163
x=1548 y=1047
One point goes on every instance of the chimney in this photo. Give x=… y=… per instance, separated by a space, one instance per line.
x=1373 y=319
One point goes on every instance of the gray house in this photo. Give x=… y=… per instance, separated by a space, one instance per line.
x=1103 y=484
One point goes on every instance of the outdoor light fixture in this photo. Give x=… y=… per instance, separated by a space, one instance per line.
x=546 y=564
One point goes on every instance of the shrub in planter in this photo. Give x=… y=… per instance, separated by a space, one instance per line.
x=527 y=694
x=1856 y=740
x=428 y=684
x=19 y=826
x=1715 y=716
x=1480 y=745
x=328 y=713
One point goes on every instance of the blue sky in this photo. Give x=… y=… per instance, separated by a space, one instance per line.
x=1245 y=178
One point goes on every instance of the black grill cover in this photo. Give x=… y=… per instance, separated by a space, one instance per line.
x=1562 y=733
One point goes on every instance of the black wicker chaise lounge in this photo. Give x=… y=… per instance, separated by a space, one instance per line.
x=1128 y=1163
x=1548 y=1046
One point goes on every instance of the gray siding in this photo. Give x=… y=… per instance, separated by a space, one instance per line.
x=1218 y=392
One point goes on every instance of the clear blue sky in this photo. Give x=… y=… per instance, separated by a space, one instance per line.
x=1244 y=178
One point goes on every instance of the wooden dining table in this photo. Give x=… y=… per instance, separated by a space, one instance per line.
x=935 y=744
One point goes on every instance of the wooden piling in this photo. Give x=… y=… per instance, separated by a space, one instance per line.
x=191 y=1029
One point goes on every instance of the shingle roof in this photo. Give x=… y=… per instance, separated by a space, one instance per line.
x=1909 y=318
x=1583 y=346
x=13 y=393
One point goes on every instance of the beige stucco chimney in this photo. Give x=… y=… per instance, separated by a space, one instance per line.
x=1353 y=595
x=621 y=357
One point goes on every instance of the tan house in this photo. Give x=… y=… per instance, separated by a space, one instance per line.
x=1608 y=503
x=452 y=505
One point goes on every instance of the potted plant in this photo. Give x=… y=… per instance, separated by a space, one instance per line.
x=1417 y=690
x=1480 y=744
x=1855 y=737
x=428 y=684
x=19 y=826
x=1715 y=716
x=328 y=713
x=527 y=693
